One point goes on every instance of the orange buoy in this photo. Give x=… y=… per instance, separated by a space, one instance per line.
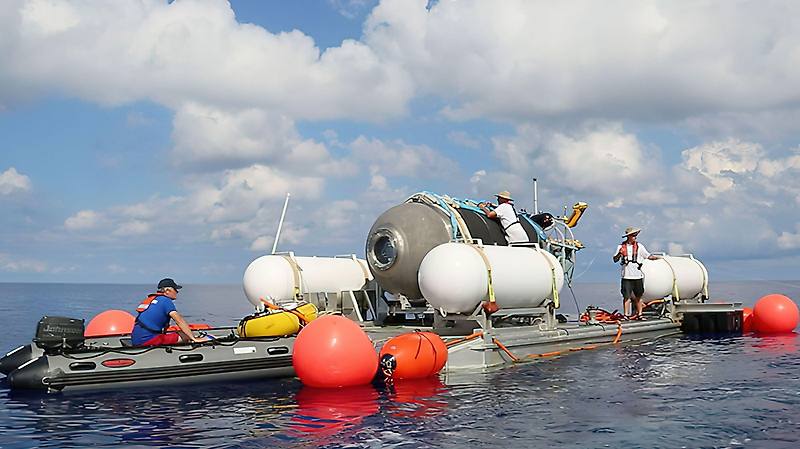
x=775 y=314
x=333 y=351
x=747 y=319
x=413 y=356
x=110 y=322
x=325 y=411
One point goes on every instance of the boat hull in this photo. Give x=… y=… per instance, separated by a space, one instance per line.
x=102 y=367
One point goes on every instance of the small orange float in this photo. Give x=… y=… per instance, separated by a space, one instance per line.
x=414 y=355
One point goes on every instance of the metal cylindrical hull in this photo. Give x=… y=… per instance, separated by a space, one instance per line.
x=662 y=276
x=274 y=278
x=399 y=240
x=453 y=276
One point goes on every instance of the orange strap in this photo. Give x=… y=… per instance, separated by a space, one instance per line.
x=271 y=306
x=463 y=339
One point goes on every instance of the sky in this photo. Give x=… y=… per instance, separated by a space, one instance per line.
x=148 y=138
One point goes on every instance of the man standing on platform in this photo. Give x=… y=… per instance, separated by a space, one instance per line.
x=631 y=254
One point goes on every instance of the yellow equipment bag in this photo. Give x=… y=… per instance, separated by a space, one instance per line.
x=277 y=322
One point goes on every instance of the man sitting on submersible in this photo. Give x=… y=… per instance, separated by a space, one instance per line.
x=509 y=220
x=155 y=312
x=631 y=254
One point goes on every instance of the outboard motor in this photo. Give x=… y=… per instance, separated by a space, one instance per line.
x=54 y=333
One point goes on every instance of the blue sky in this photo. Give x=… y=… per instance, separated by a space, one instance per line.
x=153 y=138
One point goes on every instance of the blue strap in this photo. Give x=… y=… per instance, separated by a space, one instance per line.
x=539 y=231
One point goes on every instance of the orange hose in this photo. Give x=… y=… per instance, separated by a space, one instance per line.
x=501 y=346
x=469 y=337
x=619 y=334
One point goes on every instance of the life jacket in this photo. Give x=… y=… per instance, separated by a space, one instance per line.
x=143 y=306
x=635 y=254
x=146 y=301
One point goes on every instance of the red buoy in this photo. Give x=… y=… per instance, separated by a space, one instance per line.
x=775 y=314
x=747 y=320
x=413 y=356
x=110 y=322
x=333 y=351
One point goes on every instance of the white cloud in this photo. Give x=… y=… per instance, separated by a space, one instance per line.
x=47 y=17
x=262 y=243
x=211 y=137
x=601 y=159
x=11 y=181
x=83 y=220
x=190 y=51
x=463 y=139
x=242 y=192
x=132 y=228
x=14 y=264
x=721 y=162
x=617 y=59
x=351 y=8
x=397 y=158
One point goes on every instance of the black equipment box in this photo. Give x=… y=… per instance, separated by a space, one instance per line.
x=54 y=332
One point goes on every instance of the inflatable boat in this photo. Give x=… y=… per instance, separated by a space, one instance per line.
x=62 y=358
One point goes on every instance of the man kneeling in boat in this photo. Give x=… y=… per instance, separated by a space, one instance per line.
x=155 y=312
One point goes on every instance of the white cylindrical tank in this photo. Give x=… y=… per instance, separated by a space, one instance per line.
x=453 y=276
x=662 y=275
x=274 y=277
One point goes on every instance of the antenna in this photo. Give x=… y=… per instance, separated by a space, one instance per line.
x=280 y=224
x=535 y=197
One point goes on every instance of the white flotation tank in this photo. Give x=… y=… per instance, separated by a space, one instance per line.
x=662 y=276
x=278 y=277
x=453 y=276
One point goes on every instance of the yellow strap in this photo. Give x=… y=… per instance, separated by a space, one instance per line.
x=488 y=270
x=298 y=294
x=556 y=300
x=676 y=295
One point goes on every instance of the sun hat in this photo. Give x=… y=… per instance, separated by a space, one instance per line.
x=631 y=230
x=505 y=194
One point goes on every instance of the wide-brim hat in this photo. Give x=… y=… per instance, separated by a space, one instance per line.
x=505 y=194
x=631 y=230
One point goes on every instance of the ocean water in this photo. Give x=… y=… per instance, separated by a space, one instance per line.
x=673 y=392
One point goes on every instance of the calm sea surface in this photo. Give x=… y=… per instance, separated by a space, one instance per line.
x=673 y=392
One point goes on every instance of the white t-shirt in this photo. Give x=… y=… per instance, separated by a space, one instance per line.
x=631 y=270
x=515 y=233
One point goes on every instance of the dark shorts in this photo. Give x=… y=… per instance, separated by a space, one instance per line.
x=170 y=338
x=632 y=288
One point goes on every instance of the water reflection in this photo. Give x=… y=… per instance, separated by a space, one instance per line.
x=777 y=344
x=326 y=412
